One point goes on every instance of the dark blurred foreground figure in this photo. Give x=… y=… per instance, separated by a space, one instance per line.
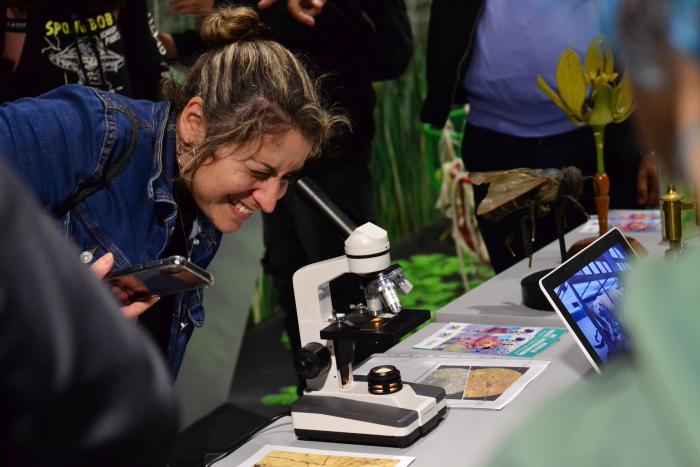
x=81 y=385
x=642 y=411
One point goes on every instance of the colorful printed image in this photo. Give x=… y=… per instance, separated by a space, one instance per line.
x=637 y=222
x=488 y=340
x=628 y=221
x=590 y=297
x=300 y=459
x=475 y=382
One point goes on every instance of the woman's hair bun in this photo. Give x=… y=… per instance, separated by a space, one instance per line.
x=229 y=25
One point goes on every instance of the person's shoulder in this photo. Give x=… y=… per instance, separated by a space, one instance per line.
x=142 y=109
x=70 y=107
x=69 y=101
x=70 y=92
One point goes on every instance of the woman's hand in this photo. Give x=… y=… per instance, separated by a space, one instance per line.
x=101 y=268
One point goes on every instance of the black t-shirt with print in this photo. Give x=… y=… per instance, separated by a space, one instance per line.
x=113 y=50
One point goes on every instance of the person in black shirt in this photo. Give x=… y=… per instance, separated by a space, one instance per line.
x=107 y=44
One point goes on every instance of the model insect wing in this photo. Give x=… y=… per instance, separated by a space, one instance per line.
x=585 y=292
x=506 y=186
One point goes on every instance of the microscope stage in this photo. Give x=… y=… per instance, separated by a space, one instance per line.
x=390 y=333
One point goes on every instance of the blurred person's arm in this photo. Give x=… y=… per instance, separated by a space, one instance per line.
x=451 y=31
x=80 y=384
x=192 y=7
x=186 y=45
x=647 y=181
x=303 y=11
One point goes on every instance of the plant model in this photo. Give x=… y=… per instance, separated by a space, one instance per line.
x=592 y=94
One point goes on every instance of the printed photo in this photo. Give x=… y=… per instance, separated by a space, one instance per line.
x=287 y=456
x=489 y=383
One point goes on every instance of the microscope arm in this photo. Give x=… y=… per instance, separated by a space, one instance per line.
x=313 y=297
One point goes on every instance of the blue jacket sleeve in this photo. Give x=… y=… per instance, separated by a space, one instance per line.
x=56 y=140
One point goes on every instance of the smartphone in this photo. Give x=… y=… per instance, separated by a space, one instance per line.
x=161 y=277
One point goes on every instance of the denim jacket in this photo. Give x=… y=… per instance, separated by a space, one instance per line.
x=59 y=141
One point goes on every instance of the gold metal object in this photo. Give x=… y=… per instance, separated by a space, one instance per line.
x=673 y=204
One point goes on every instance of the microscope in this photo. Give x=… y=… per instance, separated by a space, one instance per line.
x=335 y=407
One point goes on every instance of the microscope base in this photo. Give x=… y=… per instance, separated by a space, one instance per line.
x=382 y=420
x=369 y=438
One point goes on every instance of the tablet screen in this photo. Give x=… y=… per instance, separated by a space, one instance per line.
x=590 y=297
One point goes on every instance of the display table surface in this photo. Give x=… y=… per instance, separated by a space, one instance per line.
x=498 y=300
x=468 y=437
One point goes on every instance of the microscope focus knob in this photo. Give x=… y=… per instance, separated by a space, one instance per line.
x=313 y=359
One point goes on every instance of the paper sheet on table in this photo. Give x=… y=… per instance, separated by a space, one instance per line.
x=477 y=383
x=628 y=221
x=491 y=339
x=280 y=456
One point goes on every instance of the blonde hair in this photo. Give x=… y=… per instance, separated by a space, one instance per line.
x=250 y=88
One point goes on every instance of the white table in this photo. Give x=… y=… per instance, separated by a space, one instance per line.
x=498 y=300
x=468 y=437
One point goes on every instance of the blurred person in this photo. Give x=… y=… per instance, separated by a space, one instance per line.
x=145 y=180
x=642 y=410
x=488 y=54
x=81 y=385
x=107 y=44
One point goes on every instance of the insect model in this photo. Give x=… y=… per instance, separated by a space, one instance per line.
x=528 y=193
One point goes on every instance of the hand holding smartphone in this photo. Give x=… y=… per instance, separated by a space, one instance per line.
x=159 y=278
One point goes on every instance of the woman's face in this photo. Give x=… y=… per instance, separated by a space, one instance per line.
x=239 y=180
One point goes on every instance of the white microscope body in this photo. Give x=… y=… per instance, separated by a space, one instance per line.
x=334 y=406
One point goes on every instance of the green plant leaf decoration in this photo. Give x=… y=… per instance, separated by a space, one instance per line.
x=593 y=63
x=544 y=87
x=623 y=99
x=571 y=82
